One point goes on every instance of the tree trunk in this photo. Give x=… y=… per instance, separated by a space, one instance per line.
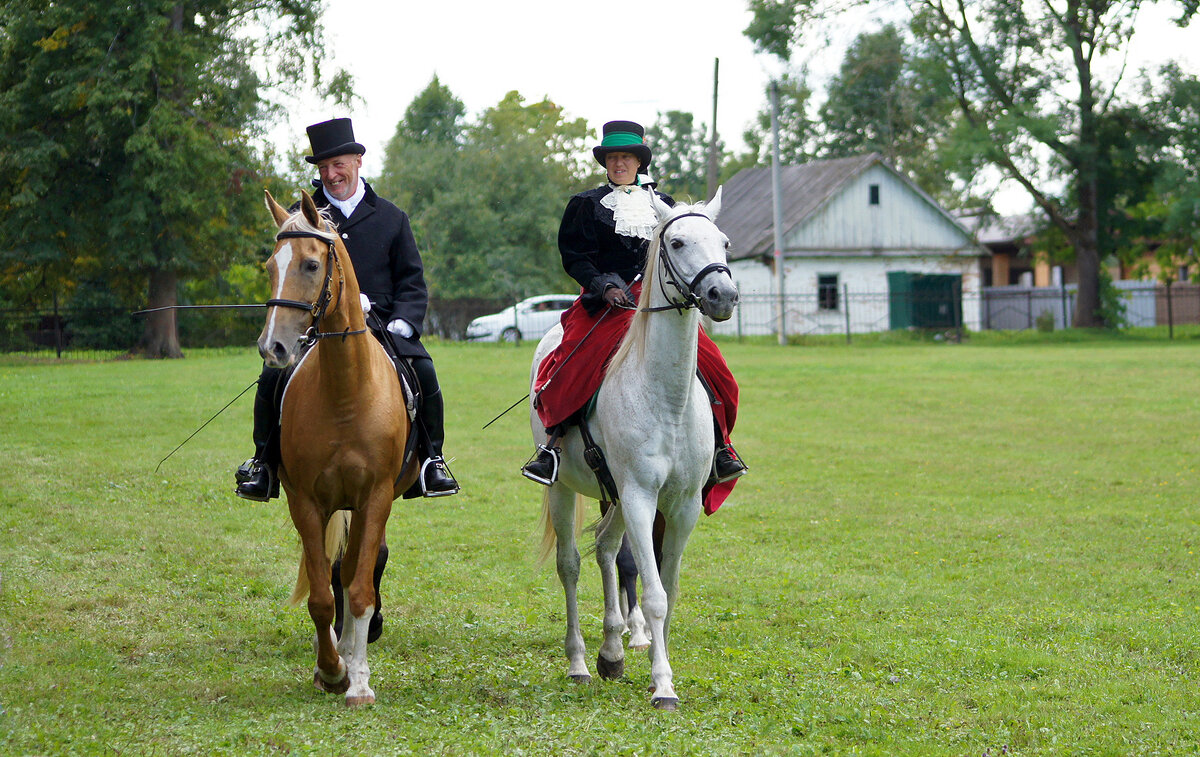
x=161 y=337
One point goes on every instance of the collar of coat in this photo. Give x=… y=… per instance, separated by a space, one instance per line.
x=366 y=206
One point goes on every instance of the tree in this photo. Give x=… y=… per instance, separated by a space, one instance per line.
x=680 y=155
x=797 y=132
x=486 y=197
x=125 y=138
x=1024 y=79
x=877 y=102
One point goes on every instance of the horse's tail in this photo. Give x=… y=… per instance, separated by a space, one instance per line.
x=337 y=530
x=549 y=538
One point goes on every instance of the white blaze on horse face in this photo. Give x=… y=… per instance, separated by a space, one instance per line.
x=283 y=261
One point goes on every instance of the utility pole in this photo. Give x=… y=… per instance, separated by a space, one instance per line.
x=712 y=143
x=777 y=210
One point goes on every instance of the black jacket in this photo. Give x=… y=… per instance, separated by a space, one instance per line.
x=592 y=250
x=388 y=266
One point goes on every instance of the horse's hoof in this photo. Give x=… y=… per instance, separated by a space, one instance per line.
x=639 y=647
x=581 y=678
x=610 y=670
x=665 y=703
x=325 y=687
x=359 y=701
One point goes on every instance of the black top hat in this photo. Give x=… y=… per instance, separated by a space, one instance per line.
x=623 y=136
x=330 y=138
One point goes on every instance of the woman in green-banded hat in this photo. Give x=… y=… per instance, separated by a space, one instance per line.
x=603 y=239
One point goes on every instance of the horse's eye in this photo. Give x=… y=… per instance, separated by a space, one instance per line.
x=311 y=266
x=676 y=244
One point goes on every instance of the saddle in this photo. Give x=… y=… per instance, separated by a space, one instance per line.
x=594 y=456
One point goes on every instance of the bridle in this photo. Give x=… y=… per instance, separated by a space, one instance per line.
x=318 y=307
x=673 y=277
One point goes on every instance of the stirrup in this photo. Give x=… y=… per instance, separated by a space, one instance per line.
x=537 y=477
x=437 y=462
x=730 y=475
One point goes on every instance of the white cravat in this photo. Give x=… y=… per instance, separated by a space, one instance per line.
x=631 y=209
x=348 y=205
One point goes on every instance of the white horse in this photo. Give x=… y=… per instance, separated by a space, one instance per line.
x=654 y=422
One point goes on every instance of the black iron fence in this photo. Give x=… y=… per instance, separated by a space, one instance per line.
x=105 y=333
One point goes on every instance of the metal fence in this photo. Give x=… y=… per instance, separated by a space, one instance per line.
x=1142 y=304
x=99 y=334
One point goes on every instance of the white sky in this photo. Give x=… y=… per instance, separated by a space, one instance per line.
x=616 y=59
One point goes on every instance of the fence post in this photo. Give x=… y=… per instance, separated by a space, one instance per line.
x=1029 y=309
x=957 y=303
x=57 y=329
x=1062 y=291
x=846 y=308
x=1170 y=314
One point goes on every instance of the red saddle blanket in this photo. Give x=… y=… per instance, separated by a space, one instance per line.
x=572 y=373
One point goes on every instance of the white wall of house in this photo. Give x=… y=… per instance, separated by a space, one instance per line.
x=865 y=278
x=903 y=220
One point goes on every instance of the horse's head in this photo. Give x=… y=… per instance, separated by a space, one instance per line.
x=301 y=272
x=692 y=257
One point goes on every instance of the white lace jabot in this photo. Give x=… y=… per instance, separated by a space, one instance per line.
x=631 y=209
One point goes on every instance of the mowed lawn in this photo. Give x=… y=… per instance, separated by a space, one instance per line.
x=941 y=550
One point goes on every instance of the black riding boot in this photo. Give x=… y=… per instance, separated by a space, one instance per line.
x=727 y=465
x=435 y=479
x=543 y=468
x=256 y=478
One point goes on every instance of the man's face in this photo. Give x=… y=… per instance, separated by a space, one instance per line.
x=622 y=167
x=339 y=175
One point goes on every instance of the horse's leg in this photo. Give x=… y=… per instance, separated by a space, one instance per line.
x=627 y=576
x=366 y=536
x=610 y=663
x=330 y=672
x=639 y=510
x=339 y=601
x=673 y=540
x=560 y=509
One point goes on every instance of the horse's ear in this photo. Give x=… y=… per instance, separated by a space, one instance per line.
x=311 y=214
x=277 y=212
x=661 y=209
x=713 y=206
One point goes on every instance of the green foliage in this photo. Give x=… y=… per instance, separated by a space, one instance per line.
x=797 y=132
x=680 y=155
x=486 y=197
x=125 y=133
x=877 y=102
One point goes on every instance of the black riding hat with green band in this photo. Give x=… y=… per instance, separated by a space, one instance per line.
x=623 y=136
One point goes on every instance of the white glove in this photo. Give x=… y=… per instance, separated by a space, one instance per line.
x=400 y=328
x=365 y=301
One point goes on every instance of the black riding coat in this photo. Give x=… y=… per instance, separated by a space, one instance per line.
x=592 y=250
x=388 y=266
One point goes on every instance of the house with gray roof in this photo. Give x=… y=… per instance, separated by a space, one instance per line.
x=851 y=226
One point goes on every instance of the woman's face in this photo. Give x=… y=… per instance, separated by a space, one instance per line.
x=622 y=167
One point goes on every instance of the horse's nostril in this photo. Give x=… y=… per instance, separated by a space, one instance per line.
x=278 y=350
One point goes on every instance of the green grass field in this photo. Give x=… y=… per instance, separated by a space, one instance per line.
x=941 y=550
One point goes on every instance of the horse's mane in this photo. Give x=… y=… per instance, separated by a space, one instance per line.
x=297 y=222
x=634 y=340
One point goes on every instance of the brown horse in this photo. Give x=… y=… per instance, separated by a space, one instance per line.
x=343 y=429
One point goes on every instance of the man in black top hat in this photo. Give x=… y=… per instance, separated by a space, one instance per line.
x=388 y=266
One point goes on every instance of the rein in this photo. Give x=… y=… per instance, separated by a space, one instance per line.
x=690 y=300
x=318 y=307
